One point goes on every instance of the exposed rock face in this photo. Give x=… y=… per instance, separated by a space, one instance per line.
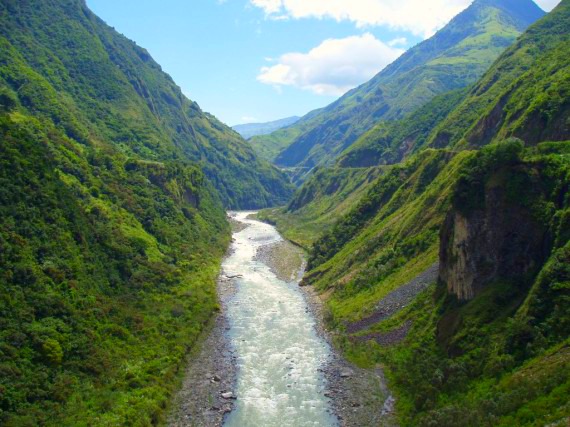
x=501 y=240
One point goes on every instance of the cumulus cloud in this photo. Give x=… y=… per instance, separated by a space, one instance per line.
x=333 y=67
x=420 y=17
x=400 y=41
x=548 y=5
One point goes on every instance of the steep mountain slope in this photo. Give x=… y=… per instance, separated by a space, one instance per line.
x=484 y=346
x=507 y=101
x=471 y=353
x=453 y=58
x=115 y=91
x=325 y=197
x=332 y=191
x=108 y=269
x=391 y=142
x=269 y=146
x=110 y=236
x=253 y=129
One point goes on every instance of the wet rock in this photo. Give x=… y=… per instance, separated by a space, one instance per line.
x=228 y=395
x=388 y=406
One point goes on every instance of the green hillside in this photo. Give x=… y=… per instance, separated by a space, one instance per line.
x=108 y=269
x=509 y=101
x=113 y=189
x=450 y=269
x=269 y=146
x=332 y=191
x=113 y=90
x=453 y=58
x=448 y=358
x=532 y=107
x=253 y=129
x=391 y=142
x=326 y=196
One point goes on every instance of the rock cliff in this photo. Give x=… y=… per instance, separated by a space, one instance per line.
x=505 y=238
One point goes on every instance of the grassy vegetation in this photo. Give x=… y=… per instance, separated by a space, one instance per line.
x=493 y=360
x=108 y=273
x=391 y=234
x=103 y=86
x=269 y=146
x=328 y=194
x=391 y=142
x=500 y=358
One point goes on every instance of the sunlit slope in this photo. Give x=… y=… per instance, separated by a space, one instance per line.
x=487 y=345
x=453 y=58
x=116 y=92
x=525 y=94
x=523 y=72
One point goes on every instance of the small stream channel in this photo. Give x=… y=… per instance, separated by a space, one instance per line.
x=279 y=354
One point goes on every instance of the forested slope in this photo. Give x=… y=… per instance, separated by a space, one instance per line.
x=112 y=225
x=114 y=91
x=524 y=94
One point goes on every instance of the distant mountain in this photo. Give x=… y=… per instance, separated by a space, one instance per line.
x=253 y=129
x=455 y=57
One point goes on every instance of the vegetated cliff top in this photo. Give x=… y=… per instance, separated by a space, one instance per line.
x=524 y=94
x=507 y=101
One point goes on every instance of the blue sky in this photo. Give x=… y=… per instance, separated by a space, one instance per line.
x=261 y=60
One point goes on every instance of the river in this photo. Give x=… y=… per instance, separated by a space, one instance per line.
x=279 y=354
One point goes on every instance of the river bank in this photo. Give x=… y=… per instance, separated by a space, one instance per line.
x=357 y=397
x=212 y=368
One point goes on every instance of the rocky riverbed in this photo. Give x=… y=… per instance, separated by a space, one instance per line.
x=358 y=397
x=211 y=374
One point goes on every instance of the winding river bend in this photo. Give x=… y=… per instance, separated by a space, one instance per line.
x=279 y=354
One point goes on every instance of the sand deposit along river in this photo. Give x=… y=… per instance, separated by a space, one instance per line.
x=279 y=355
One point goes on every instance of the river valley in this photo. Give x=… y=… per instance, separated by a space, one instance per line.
x=267 y=360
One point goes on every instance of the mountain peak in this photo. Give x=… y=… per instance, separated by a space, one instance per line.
x=523 y=12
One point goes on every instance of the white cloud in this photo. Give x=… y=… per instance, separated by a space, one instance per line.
x=547 y=5
x=400 y=41
x=333 y=67
x=420 y=17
